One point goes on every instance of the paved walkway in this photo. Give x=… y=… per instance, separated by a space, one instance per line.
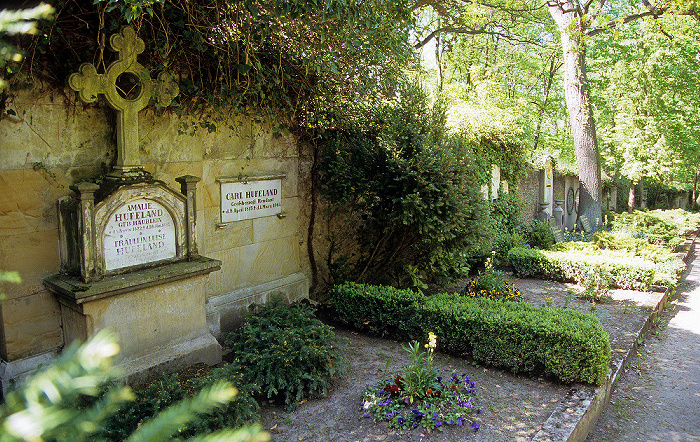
x=658 y=396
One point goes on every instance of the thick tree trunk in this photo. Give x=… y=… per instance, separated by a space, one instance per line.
x=630 y=198
x=578 y=104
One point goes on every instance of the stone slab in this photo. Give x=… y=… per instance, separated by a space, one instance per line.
x=78 y=292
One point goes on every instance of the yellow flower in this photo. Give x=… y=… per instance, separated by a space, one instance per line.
x=432 y=340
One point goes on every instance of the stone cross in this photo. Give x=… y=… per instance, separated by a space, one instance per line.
x=128 y=87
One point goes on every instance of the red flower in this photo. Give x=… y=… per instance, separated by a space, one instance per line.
x=399 y=381
x=438 y=393
x=428 y=392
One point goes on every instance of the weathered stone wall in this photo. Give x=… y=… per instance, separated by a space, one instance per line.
x=54 y=141
x=528 y=192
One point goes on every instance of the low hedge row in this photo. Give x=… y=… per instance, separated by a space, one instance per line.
x=513 y=335
x=625 y=271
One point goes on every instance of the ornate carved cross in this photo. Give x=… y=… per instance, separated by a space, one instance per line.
x=128 y=87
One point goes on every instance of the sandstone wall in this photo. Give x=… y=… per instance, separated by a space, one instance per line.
x=53 y=142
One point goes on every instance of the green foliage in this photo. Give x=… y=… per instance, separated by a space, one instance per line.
x=377 y=310
x=72 y=399
x=286 y=61
x=658 y=226
x=636 y=246
x=419 y=374
x=414 y=190
x=513 y=335
x=540 y=236
x=596 y=285
x=420 y=392
x=287 y=352
x=23 y=21
x=626 y=270
x=520 y=337
x=158 y=396
x=507 y=223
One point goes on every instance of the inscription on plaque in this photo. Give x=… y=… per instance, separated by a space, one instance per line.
x=249 y=200
x=139 y=232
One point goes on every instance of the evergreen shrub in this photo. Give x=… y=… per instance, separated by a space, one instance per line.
x=540 y=236
x=517 y=336
x=287 y=352
x=382 y=311
x=626 y=271
x=168 y=390
x=520 y=337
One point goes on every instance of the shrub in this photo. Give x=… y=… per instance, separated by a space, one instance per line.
x=659 y=226
x=287 y=352
x=520 y=337
x=503 y=242
x=517 y=336
x=414 y=191
x=540 y=235
x=635 y=246
x=382 y=311
x=74 y=397
x=626 y=271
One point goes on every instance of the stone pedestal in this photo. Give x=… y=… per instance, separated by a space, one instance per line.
x=159 y=314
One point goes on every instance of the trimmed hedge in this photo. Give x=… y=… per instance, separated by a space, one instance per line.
x=626 y=271
x=513 y=335
x=378 y=310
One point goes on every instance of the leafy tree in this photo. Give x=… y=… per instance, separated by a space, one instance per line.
x=649 y=106
x=577 y=21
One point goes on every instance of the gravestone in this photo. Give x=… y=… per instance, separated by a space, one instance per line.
x=585 y=224
x=128 y=252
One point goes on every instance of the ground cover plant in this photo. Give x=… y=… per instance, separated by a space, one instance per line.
x=517 y=336
x=286 y=352
x=419 y=397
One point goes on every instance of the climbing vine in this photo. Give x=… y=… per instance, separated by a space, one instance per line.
x=286 y=61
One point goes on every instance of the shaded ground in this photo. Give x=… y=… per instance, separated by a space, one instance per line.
x=658 y=396
x=513 y=407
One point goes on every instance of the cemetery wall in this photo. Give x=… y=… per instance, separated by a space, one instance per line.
x=54 y=141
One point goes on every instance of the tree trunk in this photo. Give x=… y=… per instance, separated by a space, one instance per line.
x=578 y=103
x=630 y=198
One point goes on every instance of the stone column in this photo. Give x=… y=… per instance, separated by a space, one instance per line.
x=89 y=270
x=188 y=184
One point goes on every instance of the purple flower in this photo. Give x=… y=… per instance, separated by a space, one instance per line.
x=460 y=421
x=400 y=421
x=438 y=424
x=435 y=416
x=451 y=422
x=476 y=426
x=439 y=378
x=366 y=415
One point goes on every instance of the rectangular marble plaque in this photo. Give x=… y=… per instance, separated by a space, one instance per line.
x=253 y=199
x=139 y=232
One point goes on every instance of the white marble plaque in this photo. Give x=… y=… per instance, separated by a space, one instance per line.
x=249 y=200
x=139 y=232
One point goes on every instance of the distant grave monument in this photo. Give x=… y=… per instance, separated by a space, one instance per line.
x=128 y=253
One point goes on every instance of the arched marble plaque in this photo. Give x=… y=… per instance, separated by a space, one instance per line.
x=139 y=232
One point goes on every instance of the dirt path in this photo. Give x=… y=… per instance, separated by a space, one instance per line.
x=658 y=396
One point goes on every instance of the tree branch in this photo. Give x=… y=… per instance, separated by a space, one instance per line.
x=621 y=21
x=471 y=31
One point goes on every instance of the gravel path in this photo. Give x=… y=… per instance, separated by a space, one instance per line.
x=658 y=396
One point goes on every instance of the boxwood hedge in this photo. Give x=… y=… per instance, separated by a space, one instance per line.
x=516 y=336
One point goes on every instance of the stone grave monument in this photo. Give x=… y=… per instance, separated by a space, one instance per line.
x=128 y=254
